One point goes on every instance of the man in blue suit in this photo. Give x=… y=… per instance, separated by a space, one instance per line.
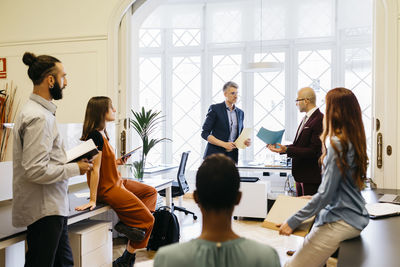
x=224 y=123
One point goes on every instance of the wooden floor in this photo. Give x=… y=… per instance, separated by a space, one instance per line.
x=190 y=229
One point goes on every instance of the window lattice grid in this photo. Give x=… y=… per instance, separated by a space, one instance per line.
x=186 y=37
x=314 y=18
x=150 y=94
x=314 y=70
x=150 y=90
x=227 y=26
x=358 y=78
x=269 y=101
x=149 y=38
x=225 y=68
x=186 y=109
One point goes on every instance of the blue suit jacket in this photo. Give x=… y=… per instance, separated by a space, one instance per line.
x=217 y=124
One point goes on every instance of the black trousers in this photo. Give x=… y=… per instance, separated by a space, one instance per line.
x=234 y=155
x=48 y=243
x=306 y=189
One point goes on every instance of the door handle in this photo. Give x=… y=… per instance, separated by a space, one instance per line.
x=379 y=140
x=123 y=142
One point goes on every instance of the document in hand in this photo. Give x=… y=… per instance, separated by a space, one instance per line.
x=283 y=208
x=244 y=135
x=270 y=137
x=86 y=150
x=380 y=210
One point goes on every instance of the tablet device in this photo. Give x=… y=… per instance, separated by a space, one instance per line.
x=131 y=152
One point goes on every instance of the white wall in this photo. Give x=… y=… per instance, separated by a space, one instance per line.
x=84 y=62
x=74 y=31
x=49 y=20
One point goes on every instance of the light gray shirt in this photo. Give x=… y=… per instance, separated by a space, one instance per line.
x=233 y=123
x=40 y=175
x=233 y=253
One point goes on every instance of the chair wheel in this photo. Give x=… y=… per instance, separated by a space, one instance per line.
x=186 y=213
x=194 y=217
x=235 y=217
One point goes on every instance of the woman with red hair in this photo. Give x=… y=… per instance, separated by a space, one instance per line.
x=338 y=204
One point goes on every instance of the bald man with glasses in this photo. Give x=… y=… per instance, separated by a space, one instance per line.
x=306 y=148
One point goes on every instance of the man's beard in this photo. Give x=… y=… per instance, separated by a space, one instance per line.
x=56 y=91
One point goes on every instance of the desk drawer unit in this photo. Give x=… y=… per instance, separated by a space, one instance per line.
x=91 y=243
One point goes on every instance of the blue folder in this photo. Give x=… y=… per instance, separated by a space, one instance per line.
x=270 y=137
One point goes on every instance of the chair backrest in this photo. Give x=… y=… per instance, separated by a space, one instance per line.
x=183 y=185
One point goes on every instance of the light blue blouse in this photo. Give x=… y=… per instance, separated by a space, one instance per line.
x=337 y=198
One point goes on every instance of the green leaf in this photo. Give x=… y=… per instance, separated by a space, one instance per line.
x=145 y=123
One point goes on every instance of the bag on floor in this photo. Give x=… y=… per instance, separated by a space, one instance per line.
x=165 y=230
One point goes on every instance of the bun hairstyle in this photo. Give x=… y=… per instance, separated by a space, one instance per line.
x=39 y=66
x=29 y=58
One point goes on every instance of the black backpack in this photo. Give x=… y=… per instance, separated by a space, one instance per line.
x=165 y=230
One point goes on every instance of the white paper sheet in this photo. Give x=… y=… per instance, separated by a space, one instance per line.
x=246 y=133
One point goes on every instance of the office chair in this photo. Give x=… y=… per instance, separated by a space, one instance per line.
x=180 y=187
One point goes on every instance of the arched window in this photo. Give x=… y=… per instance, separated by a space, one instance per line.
x=188 y=50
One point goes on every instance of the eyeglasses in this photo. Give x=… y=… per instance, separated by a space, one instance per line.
x=300 y=99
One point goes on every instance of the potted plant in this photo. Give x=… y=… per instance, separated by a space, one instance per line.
x=7 y=97
x=145 y=123
x=7 y=114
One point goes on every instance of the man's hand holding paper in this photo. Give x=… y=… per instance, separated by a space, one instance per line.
x=244 y=140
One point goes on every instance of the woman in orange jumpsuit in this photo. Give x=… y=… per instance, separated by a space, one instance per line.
x=132 y=201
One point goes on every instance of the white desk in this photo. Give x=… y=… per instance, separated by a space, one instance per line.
x=159 y=169
x=10 y=235
x=261 y=167
x=159 y=184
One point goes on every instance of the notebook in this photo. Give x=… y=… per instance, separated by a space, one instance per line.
x=380 y=210
x=283 y=208
x=390 y=198
x=85 y=149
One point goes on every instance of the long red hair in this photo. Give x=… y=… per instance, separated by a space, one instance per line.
x=343 y=119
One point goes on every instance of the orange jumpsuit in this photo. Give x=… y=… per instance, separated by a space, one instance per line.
x=131 y=200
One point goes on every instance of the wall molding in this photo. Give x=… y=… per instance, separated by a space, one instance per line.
x=54 y=41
